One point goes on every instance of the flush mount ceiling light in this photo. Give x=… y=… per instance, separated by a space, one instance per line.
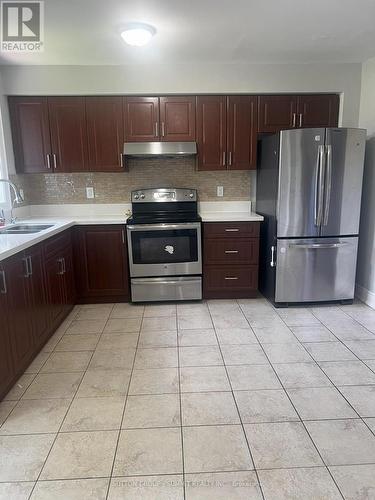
x=138 y=34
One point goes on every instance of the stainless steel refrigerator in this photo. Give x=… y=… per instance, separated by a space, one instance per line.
x=309 y=185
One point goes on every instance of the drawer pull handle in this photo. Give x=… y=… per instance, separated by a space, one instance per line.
x=231 y=278
x=232 y=230
x=231 y=251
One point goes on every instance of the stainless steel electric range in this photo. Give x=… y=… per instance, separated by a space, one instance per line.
x=164 y=243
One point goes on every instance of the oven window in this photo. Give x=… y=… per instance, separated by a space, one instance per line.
x=164 y=246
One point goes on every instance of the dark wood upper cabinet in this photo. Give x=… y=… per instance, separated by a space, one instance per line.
x=318 y=110
x=6 y=362
x=105 y=128
x=211 y=132
x=177 y=118
x=100 y=259
x=141 y=115
x=242 y=132
x=276 y=112
x=68 y=133
x=30 y=133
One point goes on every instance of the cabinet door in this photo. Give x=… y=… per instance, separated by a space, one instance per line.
x=141 y=115
x=6 y=362
x=211 y=132
x=19 y=312
x=277 y=112
x=318 y=110
x=68 y=133
x=177 y=118
x=68 y=278
x=242 y=132
x=30 y=133
x=105 y=128
x=101 y=261
x=55 y=293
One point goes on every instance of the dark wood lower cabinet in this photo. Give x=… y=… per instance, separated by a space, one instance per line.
x=6 y=358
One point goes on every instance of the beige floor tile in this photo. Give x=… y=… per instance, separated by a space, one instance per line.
x=191 y=308
x=59 y=362
x=99 y=314
x=362 y=398
x=229 y=306
x=15 y=491
x=232 y=320
x=306 y=484
x=117 y=341
x=329 y=351
x=208 y=408
x=260 y=320
x=364 y=349
x=103 y=307
x=318 y=333
x=94 y=414
x=320 y=403
x=147 y=488
x=252 y=377
x=158 y=338
x=348 y=372
x=5 y=408
x=370 y=363
x=19 y=387
x=216 y=449
x=53 y=385
x=244 y=355
x=349 y=330
x=85 y=327
x=204 y=378
x=76 y=489
x=281 y=445
x=125 y=310
x=196 y=337
x=199 y=320
x=124 y=325
x=154 y=381
x=298 y=317
x=38 y=362
x=153 y=410
x=22 y=458
x=78 y=455
x=167 y=323
x=104 y=383
x=77 y=343
x=36 y=416
x=371 y=423
x=357 y=482
x=236 y=336
x=164 y=357
x=149 y=451
x=265 y=406
x=287 y=353
x=112 y=359
x=343 y=442
x=200 y=356
x=275 y=335
x=53 y=341
x=159 y=310
x=294 y=375
x=223 y=486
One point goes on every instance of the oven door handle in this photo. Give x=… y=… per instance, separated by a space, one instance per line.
x=163 y=227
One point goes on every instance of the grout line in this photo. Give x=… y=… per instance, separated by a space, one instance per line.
x=181 y=413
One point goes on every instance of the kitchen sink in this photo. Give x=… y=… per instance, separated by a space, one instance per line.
x=25 y=228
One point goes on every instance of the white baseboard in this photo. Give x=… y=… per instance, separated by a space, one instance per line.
x=365 y=295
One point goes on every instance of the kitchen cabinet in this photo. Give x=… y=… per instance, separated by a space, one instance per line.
x=278 y=112
x=105 y=128
x=230 y=259
x=31 y=135
x=6 y=361
x=101 y=263
x=227 y=132
x=169 y=118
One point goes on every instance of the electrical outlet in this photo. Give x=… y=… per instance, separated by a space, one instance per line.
x=90 y=192
x=220 y=191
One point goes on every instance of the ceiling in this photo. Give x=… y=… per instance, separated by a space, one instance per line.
x=86 y=32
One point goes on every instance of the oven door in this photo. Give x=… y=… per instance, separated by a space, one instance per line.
x=164 y=249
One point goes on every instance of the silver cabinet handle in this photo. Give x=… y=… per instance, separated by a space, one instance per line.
x=273 y=261
x=156 y=129
x=30 y=262
x=328 y=184
x=300 y=120
x=230 y=158
x=162 y=129
x=54 y=161
x=121 y=160
x=231 y=251
x=231 y=278
x=234 y=230
x=224 y=157
x=61 y=266
x=48 y=161
x=294 y=119
x=123 y=236
x=25 y=261
x=316 y=246
x=3 y=289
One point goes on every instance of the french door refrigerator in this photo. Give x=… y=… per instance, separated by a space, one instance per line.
x=309 y=185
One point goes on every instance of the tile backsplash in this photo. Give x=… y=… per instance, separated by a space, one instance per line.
x=40 y=189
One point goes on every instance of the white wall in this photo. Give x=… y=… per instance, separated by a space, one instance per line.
x=366 y=254
x=191 y=78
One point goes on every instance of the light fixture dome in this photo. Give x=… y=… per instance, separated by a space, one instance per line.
x=138 y=34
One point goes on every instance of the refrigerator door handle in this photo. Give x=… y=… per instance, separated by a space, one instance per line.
x=317 y=246
x=319 y=186
x=273 y=261
x=328 y=184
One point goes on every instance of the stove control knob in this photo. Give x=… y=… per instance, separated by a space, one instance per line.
x=136 y=196
x=191 y=195
x=142 y=196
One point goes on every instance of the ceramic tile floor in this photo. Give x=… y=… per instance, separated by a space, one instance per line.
x=220 y=400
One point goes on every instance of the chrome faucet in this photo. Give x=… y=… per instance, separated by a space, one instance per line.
x=18 y=198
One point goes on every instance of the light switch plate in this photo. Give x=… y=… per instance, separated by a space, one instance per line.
x=220 y=191
x=90 y=192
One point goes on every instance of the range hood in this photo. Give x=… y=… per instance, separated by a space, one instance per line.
x=145 y=149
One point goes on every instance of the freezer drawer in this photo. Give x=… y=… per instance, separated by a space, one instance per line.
x=314 y=270
x=158 y=289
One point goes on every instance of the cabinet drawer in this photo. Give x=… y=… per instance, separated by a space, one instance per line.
x=231 y=251
x=231 y=278
x=55 y=244
x=231 y=229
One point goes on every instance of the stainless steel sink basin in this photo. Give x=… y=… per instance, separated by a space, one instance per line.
x=25 y=228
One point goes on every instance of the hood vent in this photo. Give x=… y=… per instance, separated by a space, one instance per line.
x=146 y=149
